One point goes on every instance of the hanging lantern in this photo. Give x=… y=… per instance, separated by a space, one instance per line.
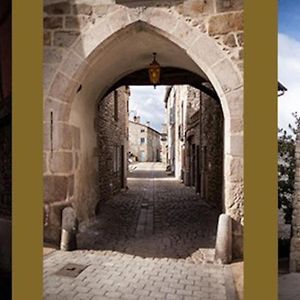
x=154 y=71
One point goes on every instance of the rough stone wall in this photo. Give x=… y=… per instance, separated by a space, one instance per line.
x=295 y=241
x=111 y=135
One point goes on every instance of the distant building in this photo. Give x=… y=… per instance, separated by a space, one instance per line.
x=144 y=142
x=195 y=140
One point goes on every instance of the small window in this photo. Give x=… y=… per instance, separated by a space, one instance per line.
x=142 y=130
x=142 y=140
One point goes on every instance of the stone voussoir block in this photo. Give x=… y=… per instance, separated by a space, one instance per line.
x=61 y=136
x=235 y=104
x=82 y=9
x=49 y=71
x=65 y=38
x=234 y=145
x=205 y=50
x=225 y=23
x=101 y=10
x=236 y=125
x=53 y=55
x=89 y=41
x=76 y=22
x=74 y=66
x=120 y=19
x=234 y=168
x=76 y=137
x=227 y=75
x=63 y=88
x=159 y=18
x=186 y=33
x=60 y=111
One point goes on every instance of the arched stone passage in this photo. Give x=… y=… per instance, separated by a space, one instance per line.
x=112 y=47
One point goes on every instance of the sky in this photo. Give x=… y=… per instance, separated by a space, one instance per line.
x=288 y=59
x=148 y=103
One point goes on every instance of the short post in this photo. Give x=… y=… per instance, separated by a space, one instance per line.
x=223 y=252
x=69 y=229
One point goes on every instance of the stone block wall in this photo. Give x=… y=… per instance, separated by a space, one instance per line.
x=112 y=135
x=204 y=128
x=62 y=153
x=211 y=142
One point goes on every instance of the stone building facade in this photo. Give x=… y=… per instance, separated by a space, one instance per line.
x=91 y=44
x=144 y=142
x=195 y=141
x=113 y=148
x=5 y=150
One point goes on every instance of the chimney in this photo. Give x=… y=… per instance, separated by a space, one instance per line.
x=148 y=124
x=137 y=119
x=134 y=119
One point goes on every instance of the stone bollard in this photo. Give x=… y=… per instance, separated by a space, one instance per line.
x=223 y=252
x=69 y=229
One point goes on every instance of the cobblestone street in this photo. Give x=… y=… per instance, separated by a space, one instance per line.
x=154 y=241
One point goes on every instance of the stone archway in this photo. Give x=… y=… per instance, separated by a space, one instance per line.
x=110 y=48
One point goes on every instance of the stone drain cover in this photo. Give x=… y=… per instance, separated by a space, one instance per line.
x=71 y=270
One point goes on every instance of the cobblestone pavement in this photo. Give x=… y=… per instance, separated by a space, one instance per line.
x=153 y=241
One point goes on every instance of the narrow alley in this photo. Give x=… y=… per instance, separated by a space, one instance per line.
x=154 y=240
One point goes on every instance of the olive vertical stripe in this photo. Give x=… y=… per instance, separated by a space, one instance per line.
x=27 y=149
x=260 y=150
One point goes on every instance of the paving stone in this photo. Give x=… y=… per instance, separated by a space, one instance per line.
x=122 y=266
